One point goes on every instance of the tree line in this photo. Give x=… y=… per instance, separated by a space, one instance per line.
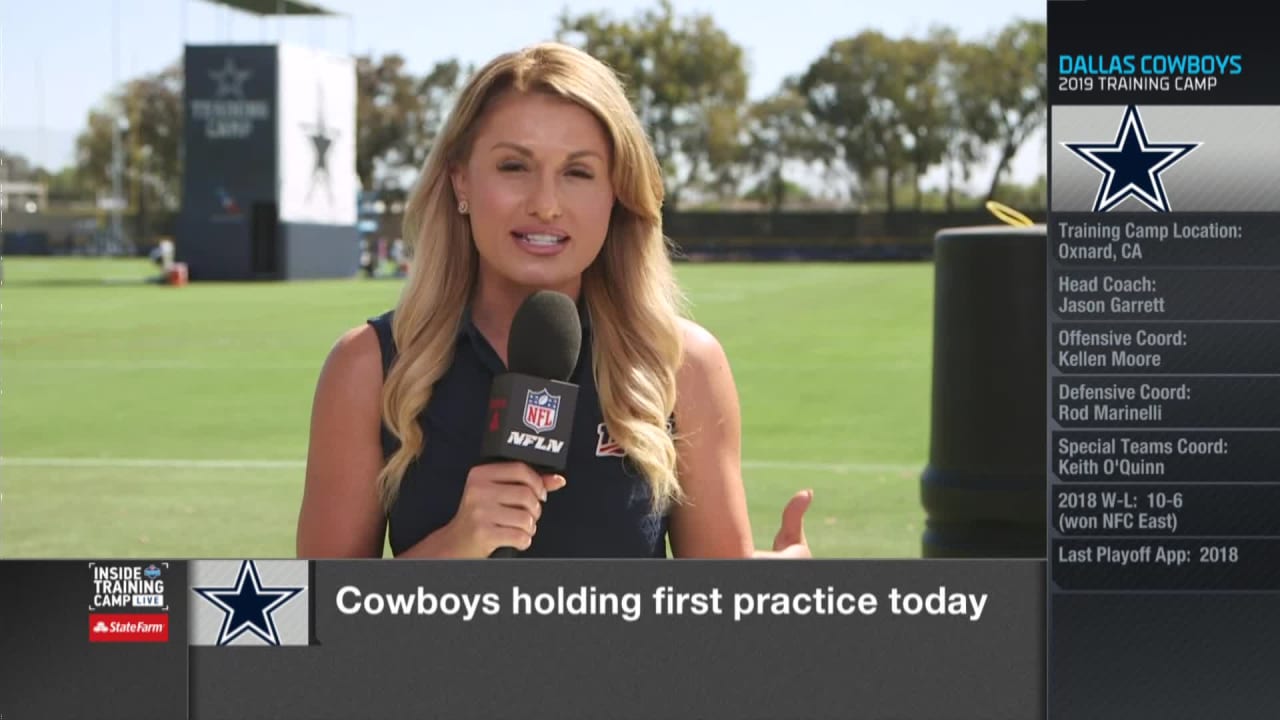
x=871 y=114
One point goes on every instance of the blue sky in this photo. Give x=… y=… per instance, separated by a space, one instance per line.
x=58 y=58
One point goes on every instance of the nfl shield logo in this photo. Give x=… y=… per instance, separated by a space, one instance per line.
x=540 y=410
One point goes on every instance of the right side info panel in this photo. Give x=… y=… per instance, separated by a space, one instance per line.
x=1164 y=354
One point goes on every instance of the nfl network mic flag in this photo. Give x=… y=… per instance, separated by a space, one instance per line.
x=249 y=602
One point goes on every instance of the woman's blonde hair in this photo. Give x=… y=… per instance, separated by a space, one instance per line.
x=629 y=290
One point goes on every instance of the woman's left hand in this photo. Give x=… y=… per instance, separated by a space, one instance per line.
x=790 y=541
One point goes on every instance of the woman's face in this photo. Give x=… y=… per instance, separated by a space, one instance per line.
x=538 y=187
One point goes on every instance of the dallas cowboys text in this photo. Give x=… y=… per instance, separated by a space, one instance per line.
x=1131 y=73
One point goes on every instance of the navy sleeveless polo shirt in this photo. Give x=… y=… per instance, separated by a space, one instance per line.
x=603 y=511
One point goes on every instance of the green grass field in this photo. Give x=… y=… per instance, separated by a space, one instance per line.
x=146 y=421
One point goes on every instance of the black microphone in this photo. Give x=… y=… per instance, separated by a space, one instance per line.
x=531 y=405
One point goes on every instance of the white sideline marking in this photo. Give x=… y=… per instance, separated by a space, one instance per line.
x=830 y=467
x=193 y=464
x=178 y=463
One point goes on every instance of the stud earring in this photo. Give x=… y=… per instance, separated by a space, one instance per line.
x=462 y=207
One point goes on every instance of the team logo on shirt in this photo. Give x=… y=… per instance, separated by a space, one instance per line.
x=541 y=410
x=606 y=446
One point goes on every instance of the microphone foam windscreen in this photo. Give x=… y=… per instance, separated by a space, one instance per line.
x=546 y=336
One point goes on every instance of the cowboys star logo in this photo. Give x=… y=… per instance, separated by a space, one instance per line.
x=229 y=80
x=322 y=137
x=248 y=606
x=1131 y=164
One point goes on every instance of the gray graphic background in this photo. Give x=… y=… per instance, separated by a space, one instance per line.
x=1135 y=656
x=1236 y=169
x=50 y=671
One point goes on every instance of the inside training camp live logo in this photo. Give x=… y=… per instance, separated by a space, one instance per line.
x=127 y=603
x=1131 y=164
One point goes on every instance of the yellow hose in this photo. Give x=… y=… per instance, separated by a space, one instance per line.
x=1008 y=214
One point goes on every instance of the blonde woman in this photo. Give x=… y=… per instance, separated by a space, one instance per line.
x=542 y=178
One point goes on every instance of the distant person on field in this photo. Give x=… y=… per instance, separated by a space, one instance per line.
x=542 y=178
x=163 y=255
x=398 y=257
x=366 y=258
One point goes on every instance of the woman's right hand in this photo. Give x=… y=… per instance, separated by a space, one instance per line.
x=500 y=507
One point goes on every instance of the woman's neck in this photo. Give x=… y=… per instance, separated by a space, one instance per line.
x=494 y=303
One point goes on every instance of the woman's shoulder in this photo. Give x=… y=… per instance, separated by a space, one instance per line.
x=356 y=357
x=705 y=388
x=704 y=356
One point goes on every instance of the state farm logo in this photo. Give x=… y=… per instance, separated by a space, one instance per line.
x=128 y=628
